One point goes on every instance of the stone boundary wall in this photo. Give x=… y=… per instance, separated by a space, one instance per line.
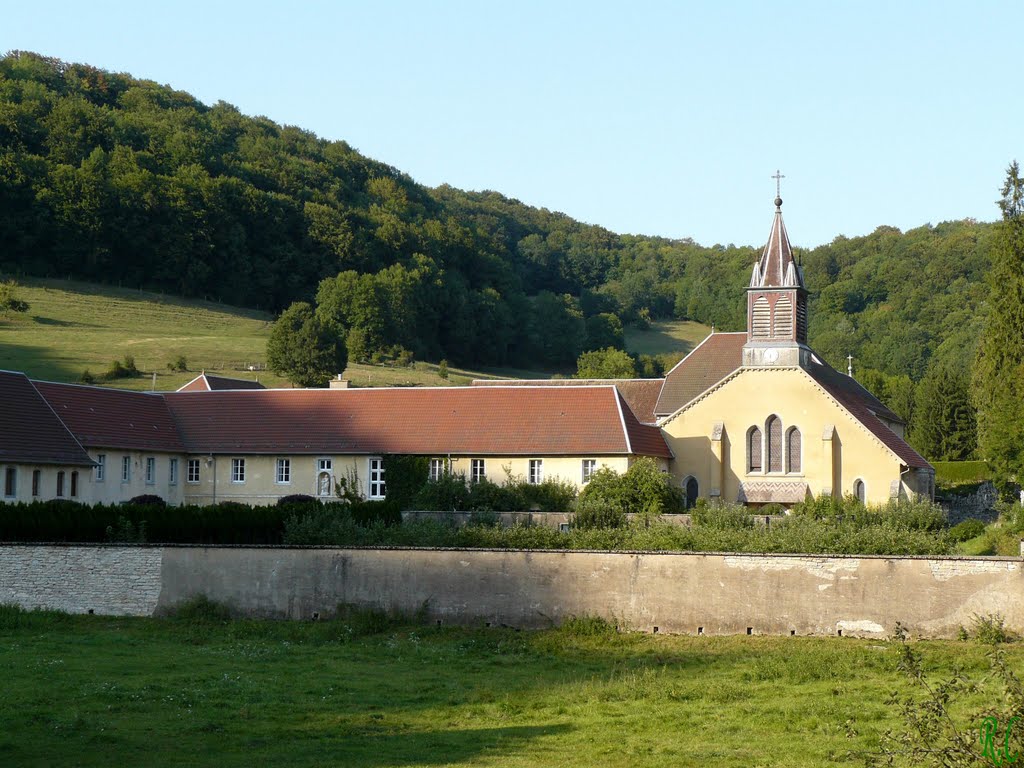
x=706 y=593
x=122 y=581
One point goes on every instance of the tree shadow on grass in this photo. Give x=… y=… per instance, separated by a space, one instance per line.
x=378 y=747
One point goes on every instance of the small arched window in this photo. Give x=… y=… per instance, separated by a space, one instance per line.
x=774 y=429
x=793 y=450
x=754 y=450
x=692 y=491
x=859 y=491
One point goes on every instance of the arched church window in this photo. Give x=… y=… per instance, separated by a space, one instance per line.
x=793 y=450
x=774 y=429
x=692 y=492
x=761 y=319
x=783 y=318
x=859 y=491
x=754 y=450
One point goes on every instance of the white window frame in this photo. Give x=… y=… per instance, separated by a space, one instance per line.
x=192 y=464
x=238 y=470
x=283 y=471
x=477 y=470
x=438 y=469
x=588 y=470
x=324 y=464
x=126 y=469
x=10 y=482
x=376 y=485
x=101 y=467
x=150 y=470
x=536 y=472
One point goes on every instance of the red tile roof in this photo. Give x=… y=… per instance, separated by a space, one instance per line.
x=640 y=394
x=207 y=382
x=495 y=421
x=100 y=417
x=858 y=401
x=30 y=432
x=710 y=361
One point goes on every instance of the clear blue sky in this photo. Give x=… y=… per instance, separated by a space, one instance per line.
x=655 y=118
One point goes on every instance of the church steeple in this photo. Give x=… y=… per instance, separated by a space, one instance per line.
x=776 y=301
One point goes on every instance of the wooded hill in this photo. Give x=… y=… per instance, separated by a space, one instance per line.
x=108 y=178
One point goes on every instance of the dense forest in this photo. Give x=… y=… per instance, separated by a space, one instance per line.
x=113 y=179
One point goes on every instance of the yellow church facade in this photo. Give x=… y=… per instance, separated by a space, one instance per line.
x=757 y=417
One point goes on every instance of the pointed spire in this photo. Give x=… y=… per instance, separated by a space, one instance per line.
x=776 y=267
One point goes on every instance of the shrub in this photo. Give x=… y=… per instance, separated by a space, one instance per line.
x=147 y=499
x=991 y=629
x=296 y=499
x=447 y=493
x=595 y=511
x=643 y=490
x=968 y=529
x=127 y=532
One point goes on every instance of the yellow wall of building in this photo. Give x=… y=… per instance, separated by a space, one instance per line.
x=261 y=486
x=748 y=399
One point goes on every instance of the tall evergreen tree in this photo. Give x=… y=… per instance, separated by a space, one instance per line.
x=999 y=368
x=944 y=426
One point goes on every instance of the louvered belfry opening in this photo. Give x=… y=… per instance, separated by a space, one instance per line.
x=754 y=450
x=801 y=320
x=760 y=319
x=774 y=428
x=793 y=450
x=783 y=318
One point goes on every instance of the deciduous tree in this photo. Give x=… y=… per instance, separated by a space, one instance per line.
x=304 y=348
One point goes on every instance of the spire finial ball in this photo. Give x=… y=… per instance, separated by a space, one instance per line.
x=778 y=202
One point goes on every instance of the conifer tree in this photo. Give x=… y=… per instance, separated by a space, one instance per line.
x=999 y=368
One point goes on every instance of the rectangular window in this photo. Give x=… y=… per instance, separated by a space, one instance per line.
x=150 y=470
x=37 y=477
x=589 y=467
x=193 y=471
x=10 y=482
x=101 y=467
x=377 y=488
x=438 y=467
x=284 y=470
x=478 y=470
x=74 y=485
x=172 y=472
x=60 y=484
x=324 y=465
x=126 y=469
x=536 y=476
x=238 y=470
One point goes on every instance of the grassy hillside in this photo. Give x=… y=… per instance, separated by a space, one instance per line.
x=674 y=336
x=73 y=326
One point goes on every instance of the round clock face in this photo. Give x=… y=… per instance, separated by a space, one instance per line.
x=771 y=355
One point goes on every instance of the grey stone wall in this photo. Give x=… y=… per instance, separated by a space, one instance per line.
x=709 y=593
x=122 y=581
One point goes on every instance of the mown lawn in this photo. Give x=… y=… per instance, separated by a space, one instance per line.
x=73 y=326
x=364 y=692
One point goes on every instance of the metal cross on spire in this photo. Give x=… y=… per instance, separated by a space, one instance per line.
x=778 y=182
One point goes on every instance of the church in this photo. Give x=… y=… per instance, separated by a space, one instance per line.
x=757 y=417
x=753 y=417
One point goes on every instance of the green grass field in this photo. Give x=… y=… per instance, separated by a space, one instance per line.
x=673 y=336
x=72 y=326
x=95 y=691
